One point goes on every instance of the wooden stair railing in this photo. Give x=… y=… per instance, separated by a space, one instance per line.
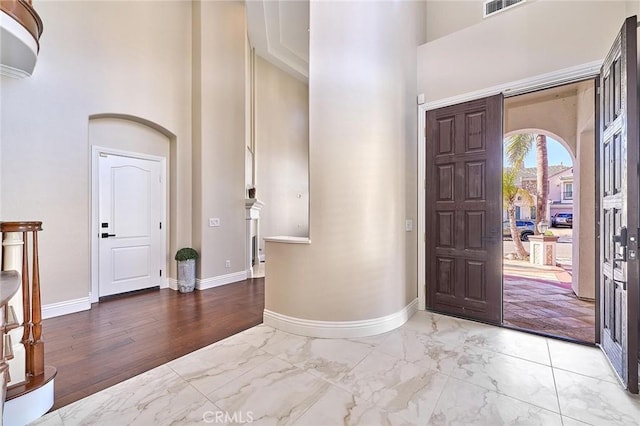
x=36 y=373
x=24 y=13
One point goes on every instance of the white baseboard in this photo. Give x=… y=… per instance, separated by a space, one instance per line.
x=66 y=307
x=220 y=280
x=340 y=329
x=172 y=283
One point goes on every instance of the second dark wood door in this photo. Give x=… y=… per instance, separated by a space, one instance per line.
x=464 y=210
x=619 y=217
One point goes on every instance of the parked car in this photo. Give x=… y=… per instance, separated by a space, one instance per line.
x=562 y=219
x=524 y=227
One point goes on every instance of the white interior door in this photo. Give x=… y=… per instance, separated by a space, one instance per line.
x=129 y=228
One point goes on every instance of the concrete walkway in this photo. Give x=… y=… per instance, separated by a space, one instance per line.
x=540 y=298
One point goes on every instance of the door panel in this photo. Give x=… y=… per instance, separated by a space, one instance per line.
x=130 y=203
x=463 y=209
x=619 y=145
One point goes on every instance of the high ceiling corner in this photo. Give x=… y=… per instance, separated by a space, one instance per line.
x=279 y=32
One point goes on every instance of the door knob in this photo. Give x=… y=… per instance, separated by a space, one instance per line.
x=107 y=235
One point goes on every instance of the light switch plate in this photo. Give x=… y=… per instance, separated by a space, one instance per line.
x=408 y=225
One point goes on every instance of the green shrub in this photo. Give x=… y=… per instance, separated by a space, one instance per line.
x=186 y=253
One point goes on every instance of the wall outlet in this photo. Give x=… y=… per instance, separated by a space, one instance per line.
x=408 y=225
x=214 y=221
x=227 y=264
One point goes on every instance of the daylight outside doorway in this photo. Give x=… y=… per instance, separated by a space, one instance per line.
x=545 y=289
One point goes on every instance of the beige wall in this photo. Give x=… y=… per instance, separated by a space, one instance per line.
x=282 y=151
x=127 y=135
x=555 y=112
x=446 y=17
x=87 y=68
x=584 y=214
x=219 y=136
x=362 y=109
x=529 y=40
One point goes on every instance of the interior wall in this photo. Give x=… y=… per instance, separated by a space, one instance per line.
x=554 y=114
x=362 y=105
x=127 y=135
x=219 y=137
x=282 y=146
x=440 y=16
x=633 y=8
x=530 y=40
x=85 y=68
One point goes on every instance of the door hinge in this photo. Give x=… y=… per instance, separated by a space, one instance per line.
x=160 y=225
x=160 y=272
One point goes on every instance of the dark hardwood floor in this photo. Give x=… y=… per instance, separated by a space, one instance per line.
x=125 y=336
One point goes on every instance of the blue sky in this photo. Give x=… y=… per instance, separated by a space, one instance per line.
x=556 y=153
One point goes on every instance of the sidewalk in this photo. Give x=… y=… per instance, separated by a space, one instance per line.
x=554 y=275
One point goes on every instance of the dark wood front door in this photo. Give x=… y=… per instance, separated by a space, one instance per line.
x=464 y=210
x=618 y=145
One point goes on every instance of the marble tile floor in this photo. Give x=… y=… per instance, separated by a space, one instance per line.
x=434 y=370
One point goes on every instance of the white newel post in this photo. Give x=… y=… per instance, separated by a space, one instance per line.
x=12 y=248
x=252 y=206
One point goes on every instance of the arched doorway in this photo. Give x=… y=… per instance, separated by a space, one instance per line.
x=553 y=296
x=135 y=141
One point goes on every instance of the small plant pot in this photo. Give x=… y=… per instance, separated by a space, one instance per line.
x=186 y=275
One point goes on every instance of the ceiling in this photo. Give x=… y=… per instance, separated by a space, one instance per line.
x=279 y=32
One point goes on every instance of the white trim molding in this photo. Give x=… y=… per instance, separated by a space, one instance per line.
x=172 y=283
x=287 y=240
x=340 y=329
x=422 y=188
x=220 y=280
x=67 y=307
x=538 y=82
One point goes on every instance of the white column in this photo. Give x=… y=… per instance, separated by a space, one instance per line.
x=253 y=206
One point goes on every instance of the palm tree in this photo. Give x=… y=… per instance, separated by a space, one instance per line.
x=542 y=163
x=516 y=149
x=510 y=194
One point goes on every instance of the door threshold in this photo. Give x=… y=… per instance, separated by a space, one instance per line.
x=127 y=293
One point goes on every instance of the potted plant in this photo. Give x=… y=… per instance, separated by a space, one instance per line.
x=186 y=258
